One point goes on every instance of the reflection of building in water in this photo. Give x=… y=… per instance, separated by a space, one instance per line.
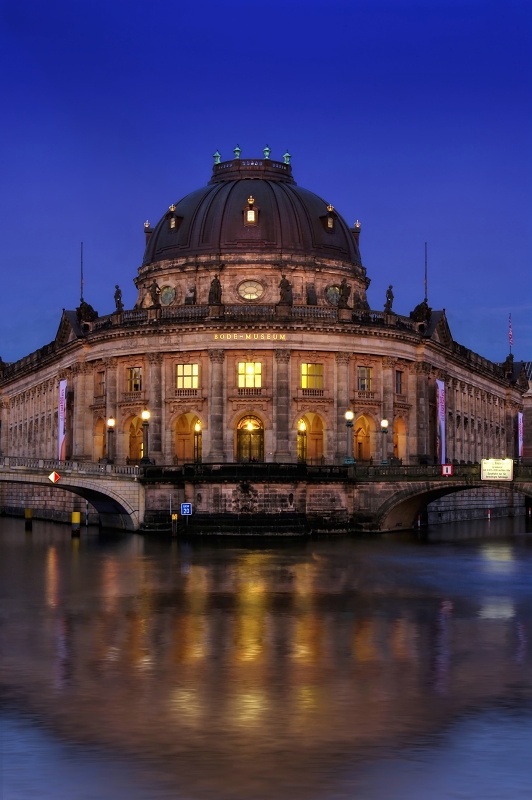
x=242 y=661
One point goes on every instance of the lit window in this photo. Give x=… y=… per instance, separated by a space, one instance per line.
x=330 y=223
x=134 y=379
x=365 y=379
x=312 y=376
x=100 y=384
x=249 y=374
x=187 y=376
x=251 y=212
x=172 y=223
x=398 y=382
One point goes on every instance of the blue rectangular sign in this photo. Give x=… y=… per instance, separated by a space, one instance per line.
x=186 y=509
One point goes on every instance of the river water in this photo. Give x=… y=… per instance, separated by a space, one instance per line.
x=377 y=668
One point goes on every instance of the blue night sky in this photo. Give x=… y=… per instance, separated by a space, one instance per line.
x=414 y=117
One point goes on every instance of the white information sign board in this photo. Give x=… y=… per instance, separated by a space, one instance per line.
x=496 y=469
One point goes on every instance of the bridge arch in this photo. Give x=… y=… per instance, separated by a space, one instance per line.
x=401 y=509
x=114 y=509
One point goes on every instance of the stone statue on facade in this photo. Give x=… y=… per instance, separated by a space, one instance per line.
x=312 y=298
x=85 y=312
x=215 y=292
x=345 y=292
x=118 y=299
x=190 y=297
x=422 y=312
x=155 y=293
x=389 y=300
x=508 y=365
x=285 y=287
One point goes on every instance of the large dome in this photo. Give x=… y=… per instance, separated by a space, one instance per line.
x=289 y=219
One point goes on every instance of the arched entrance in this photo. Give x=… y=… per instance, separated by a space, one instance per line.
x=310 y=439
x=188 y=439
x=399 y=438
x=364 y=433
x=250 y=439
x=99 y=440
x=133 y=428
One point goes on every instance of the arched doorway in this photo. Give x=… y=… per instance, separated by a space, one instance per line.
x=364 y=433
x=99 y=440
x=188 y=439
x=310 y=439
x=399 y=438
x=134 y=430
x=250 y=439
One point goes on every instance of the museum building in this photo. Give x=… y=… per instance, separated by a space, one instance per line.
x=251 y=338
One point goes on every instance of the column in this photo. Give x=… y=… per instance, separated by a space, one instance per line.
x=155 y=406
x=78 y=443
x=342 y=404
x=281 y=408
x=388 y=366
x=422 y=407
x=216 y=406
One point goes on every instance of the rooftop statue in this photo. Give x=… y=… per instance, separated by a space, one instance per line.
x=422 y=312
x=215 y=292
x=285 y=296
x=345 y=292
x=118 y=299
x=155 y=293
x=389 y=300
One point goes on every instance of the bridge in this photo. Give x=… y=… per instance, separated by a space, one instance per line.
x=376 y=497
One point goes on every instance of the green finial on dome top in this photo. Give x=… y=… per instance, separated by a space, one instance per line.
x=267 y=150
x=287 y=157
x=217 y=157
x=237 y=152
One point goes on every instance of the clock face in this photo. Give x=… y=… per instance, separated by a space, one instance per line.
x=332 y=293
x=250 y=290
x=167 y=295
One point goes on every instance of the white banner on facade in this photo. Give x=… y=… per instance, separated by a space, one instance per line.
x=520 y=434
x=61 y=434
x=440 y=422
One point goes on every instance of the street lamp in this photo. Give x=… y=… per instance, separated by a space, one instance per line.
x=384 y=431
x=145 y=437
x=349 y=417
x=111 y=422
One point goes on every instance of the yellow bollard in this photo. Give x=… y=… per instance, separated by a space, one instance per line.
x=76 y=523
x=28 y=519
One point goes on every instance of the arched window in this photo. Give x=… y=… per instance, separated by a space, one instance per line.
x=250 y=439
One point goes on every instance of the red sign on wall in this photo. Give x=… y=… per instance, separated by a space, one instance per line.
x=446 y=469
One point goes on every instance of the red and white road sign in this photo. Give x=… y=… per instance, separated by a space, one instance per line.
x=54 y=477
x=446 y=469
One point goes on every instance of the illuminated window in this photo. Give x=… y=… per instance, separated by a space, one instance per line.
x=134 y=379
x=187 y=376
x=312 y=376
x=365 y=379
x=398 y=382
x=330 y=223
x=172 y=223
x=249 y=374
x=251 y=212
x=100 y=384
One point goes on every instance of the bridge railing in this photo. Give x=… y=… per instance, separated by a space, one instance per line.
x=82 y=467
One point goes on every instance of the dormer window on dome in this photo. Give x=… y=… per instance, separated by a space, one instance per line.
x=330 y=218
x=173 y=221
x=251 y=213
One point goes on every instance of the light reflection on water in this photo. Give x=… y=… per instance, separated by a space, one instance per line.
x=367 y=669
